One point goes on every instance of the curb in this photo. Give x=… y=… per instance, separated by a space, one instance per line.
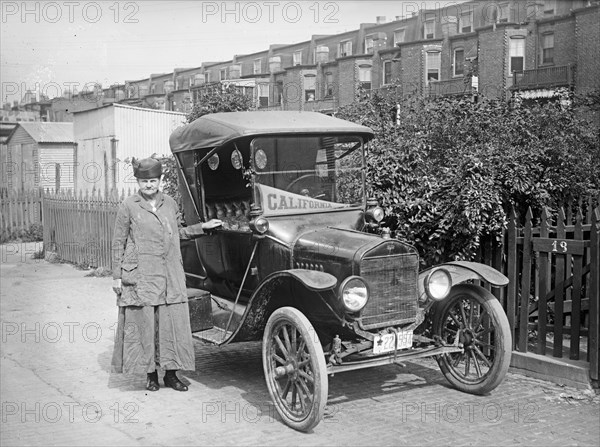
x=574 y=373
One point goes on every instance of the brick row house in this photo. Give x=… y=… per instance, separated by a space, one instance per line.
x=496 y=49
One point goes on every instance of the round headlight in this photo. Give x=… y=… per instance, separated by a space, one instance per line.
x=354 y=293
x=375 y=214
x=438 y=284
x=260 y=225
x=378 y=214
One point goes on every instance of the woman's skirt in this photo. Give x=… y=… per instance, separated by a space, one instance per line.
x=151 y=337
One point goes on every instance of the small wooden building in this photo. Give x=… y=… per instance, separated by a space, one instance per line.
x=38 y=155
x=109 y=137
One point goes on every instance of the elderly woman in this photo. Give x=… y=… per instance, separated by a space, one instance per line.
x=154 y=325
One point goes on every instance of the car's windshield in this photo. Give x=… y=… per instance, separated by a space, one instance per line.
x=301 y=174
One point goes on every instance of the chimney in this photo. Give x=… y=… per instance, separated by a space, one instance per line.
x=274 y=64
x=322 y=54
x=380 y=19
x=449 y=26
x=235 y=71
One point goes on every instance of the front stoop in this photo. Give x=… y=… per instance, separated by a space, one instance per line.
x=573 y=373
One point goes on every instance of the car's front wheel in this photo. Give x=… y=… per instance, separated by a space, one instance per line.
x=295 y=369
x=475 y=316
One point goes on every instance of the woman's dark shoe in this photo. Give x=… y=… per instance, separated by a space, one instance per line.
x=173 y=381
x=152 y=381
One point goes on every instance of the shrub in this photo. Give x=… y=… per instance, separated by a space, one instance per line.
x=34 y=233
x=450 y=170
x=228 y=99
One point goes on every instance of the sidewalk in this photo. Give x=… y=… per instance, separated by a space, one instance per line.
x=57 y=389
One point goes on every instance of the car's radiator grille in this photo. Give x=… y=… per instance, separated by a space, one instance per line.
x=392 y=284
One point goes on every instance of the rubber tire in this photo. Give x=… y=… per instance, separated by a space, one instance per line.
x=502 y=342
x=293 y=317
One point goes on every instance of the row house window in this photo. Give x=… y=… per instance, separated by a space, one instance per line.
x=547 y=48
x=369 y=45
x=297 y=58
x=207 y=77
x=278 y=92
x=329 y=85
x=433 y=61
x=263 y=95
x=345 y=48
x=310 y=82
x=223 y=74
x=466 y=22
x=399 y=36
x=364 y=76
x=516 y=52
x=256 y=67
x=387 y=72
x=459 y=62
x=429 y=29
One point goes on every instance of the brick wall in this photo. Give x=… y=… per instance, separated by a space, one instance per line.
x=347 y=80
x=492 y=55
x=412 y=69
x=587 y=44
x=292 y=89
x=565 y=49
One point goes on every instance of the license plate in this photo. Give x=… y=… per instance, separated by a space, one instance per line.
x=385 y=342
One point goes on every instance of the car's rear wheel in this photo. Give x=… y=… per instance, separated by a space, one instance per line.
x=295 y=369
x=477 y=318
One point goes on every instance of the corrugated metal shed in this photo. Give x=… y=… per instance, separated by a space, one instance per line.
x=143 y=132
x=43 y=132
x=108 y=137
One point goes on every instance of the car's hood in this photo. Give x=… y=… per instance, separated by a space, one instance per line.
x=339 y=250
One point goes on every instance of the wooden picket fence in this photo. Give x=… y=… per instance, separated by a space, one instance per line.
x=18 y=211
x=553 y=264
x=79 y=228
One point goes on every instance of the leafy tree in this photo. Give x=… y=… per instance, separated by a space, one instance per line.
x=227 y=98
x=450 y=169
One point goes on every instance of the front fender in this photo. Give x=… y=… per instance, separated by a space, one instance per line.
x=462 y=271
x=312 y=279
x=255 y=317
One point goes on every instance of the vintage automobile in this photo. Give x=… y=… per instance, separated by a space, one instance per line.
x=301 y=263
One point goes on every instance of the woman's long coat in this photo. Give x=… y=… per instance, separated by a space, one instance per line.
x=146 y=252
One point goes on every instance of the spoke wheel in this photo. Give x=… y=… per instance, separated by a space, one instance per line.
x=295 y=370
x=475 y=316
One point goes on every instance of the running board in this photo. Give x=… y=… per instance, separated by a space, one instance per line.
x=215 y=335
x=389 y=359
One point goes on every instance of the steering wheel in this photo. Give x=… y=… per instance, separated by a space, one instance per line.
x=309 y=185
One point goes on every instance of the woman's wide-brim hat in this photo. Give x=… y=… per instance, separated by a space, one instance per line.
x=146 y=168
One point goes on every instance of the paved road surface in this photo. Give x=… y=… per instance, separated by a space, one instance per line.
x=57 y=389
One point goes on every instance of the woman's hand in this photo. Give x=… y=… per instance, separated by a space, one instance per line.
x=117 y=286
x=211 y=224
